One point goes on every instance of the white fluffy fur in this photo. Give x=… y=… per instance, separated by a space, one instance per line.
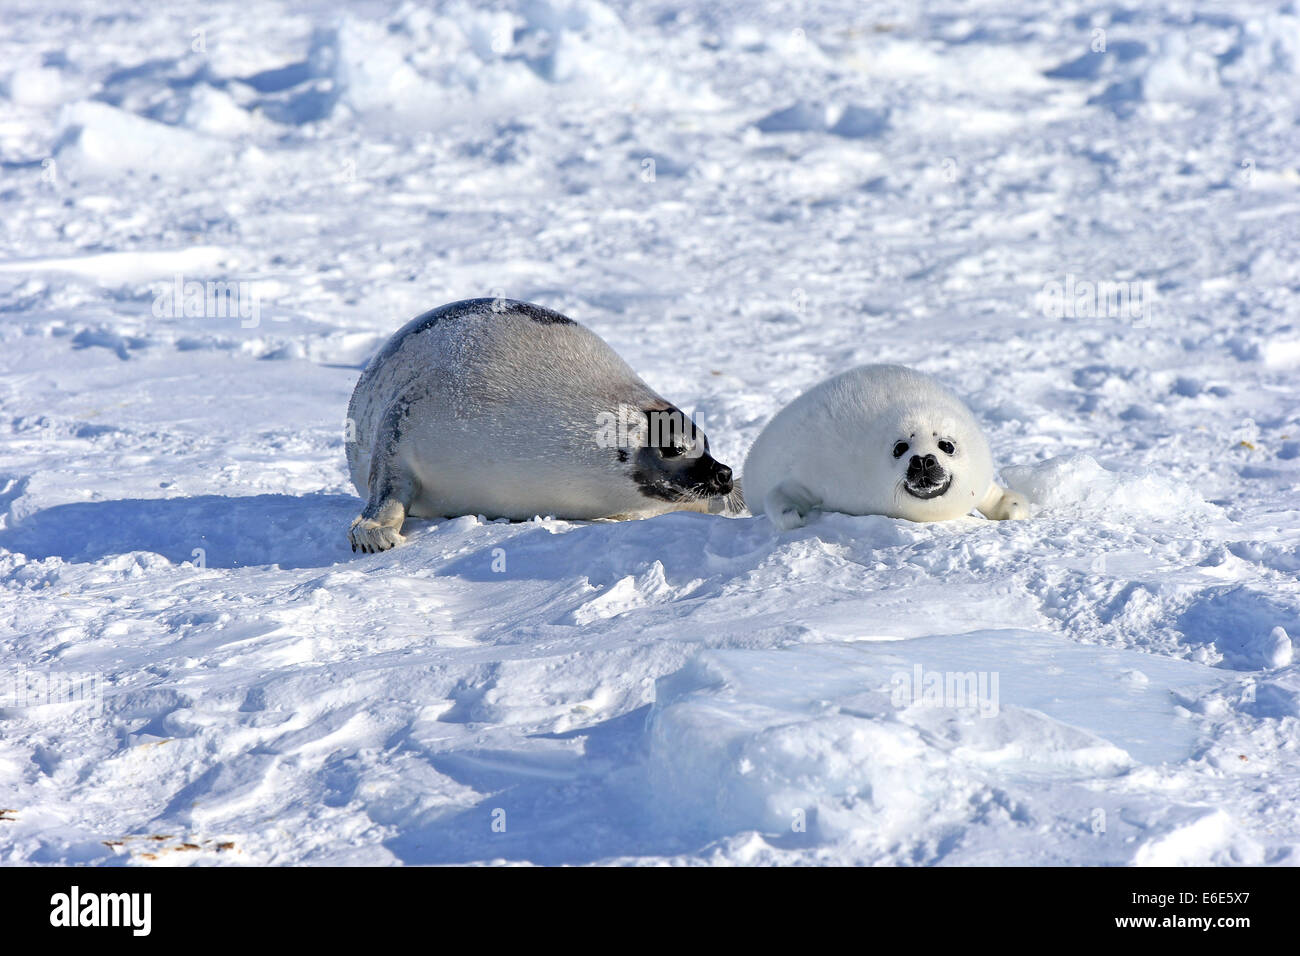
x=831 y=449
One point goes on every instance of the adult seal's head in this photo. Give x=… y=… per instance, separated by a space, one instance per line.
x=506 y=409
x=878 y=439
x=670 y=460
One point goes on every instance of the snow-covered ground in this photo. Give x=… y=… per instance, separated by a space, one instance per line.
x=742 y=202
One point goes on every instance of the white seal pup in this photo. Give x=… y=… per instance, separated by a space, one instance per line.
x=878 y=439
x=504 y=409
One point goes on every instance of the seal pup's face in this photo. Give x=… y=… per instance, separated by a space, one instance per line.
x=672 y=460
x=939 y=465
x=928 y=473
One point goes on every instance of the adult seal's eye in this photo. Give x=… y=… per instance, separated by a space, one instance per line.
x=900 y=449
x=947 y=447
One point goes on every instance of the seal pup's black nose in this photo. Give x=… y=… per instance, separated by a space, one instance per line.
x=925 y=467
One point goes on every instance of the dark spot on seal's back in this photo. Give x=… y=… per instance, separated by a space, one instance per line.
x=484 y=307
x=539 y=314
x=475 y=307
x=622 y=454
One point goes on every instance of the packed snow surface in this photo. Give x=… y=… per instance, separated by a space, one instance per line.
x=1082 y=217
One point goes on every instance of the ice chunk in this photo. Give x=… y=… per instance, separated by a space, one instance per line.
x=1079 y=483
x=101 y=140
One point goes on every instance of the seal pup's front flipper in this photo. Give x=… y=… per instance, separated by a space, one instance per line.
x=1001 y=504
x=789 y=504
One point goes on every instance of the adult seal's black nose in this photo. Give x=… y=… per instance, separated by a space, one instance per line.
x=722 y=479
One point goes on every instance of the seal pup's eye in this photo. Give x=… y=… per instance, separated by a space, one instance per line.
x=947 y=447
x=900 y=449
